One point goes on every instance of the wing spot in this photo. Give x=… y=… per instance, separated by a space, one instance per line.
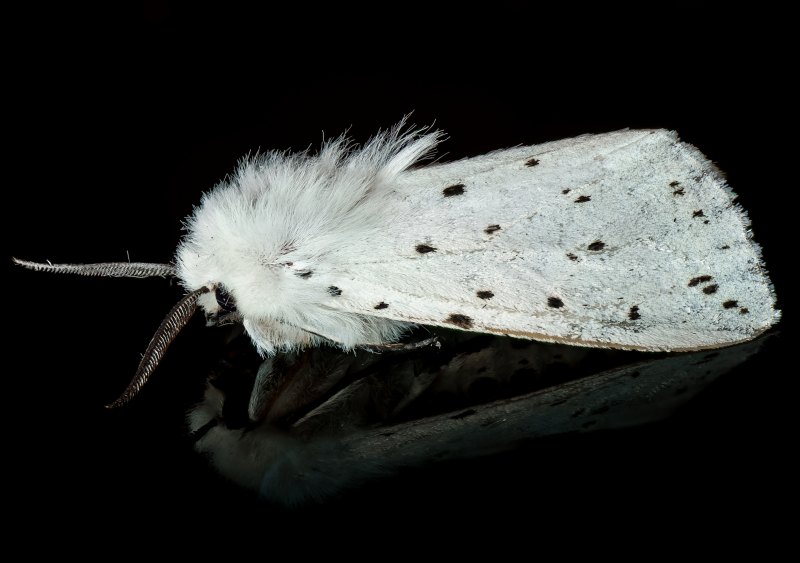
x=491 y=229
x=425 y=248
x=456 y=189
x=633 y=314
x=744 y=310
x=382 y=305
x=554 y=302
x=335 y=291
x=709 y=289
x=679 y=191
x=597 y=245
x=459 y=320
x=565 y=191
x=305 y=275
x=485 y=294
x=705 y=222
x=583 y=199
x=725 y=247
x=698 y=213
x=531 y=162
x=699 y=279
x=572 y=257
x=730 y=304
x=674 y=183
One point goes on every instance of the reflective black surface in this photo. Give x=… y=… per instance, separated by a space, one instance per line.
x=107 y=158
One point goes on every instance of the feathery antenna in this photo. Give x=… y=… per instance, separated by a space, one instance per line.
x=172 y=324
x=104 y=269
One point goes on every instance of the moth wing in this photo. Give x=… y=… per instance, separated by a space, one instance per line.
x=629 y=240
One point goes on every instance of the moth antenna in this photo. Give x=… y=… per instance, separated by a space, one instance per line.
x=172 y=324
x=104 y=269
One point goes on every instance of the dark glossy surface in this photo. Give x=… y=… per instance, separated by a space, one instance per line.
x=118 y=134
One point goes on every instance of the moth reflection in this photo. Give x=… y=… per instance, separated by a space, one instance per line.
x=303 y=427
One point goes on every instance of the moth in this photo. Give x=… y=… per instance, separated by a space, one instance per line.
x=629 y=240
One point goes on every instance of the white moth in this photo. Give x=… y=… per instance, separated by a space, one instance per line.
x=626 y=240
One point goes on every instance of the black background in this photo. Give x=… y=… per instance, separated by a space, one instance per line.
x=118 y=122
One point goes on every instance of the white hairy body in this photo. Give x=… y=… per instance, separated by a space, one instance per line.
x=627 y=240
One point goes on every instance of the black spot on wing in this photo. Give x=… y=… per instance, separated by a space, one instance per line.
x=531 y=162
x=744 y=310
x=565 y=191
x=699 y=279
x=305 y=275
x=633 y=314
x=335 y=291
x=382 y=305
x=485 y=294
x=554 y=302
x=698 y=213
x=730 y=304
x=462 y=321
x=674 y=184
x=679 y=191
x=456 y=189
x=709 y=289
x=572 y=257
x=724 y=247
x=597 y=245
x=425 y=248
x=491 y=229
x=583 y=199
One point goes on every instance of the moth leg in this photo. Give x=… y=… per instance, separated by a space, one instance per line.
x=288 y=385
x=217 y=319
x=403 y=347
x=271 y=378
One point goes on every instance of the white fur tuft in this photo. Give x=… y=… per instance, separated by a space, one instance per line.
x=275 y=234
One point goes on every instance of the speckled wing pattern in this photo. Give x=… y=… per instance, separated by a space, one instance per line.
x=625 y=240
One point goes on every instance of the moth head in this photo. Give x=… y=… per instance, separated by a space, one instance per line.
x=263 y=296
x=219 y=305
